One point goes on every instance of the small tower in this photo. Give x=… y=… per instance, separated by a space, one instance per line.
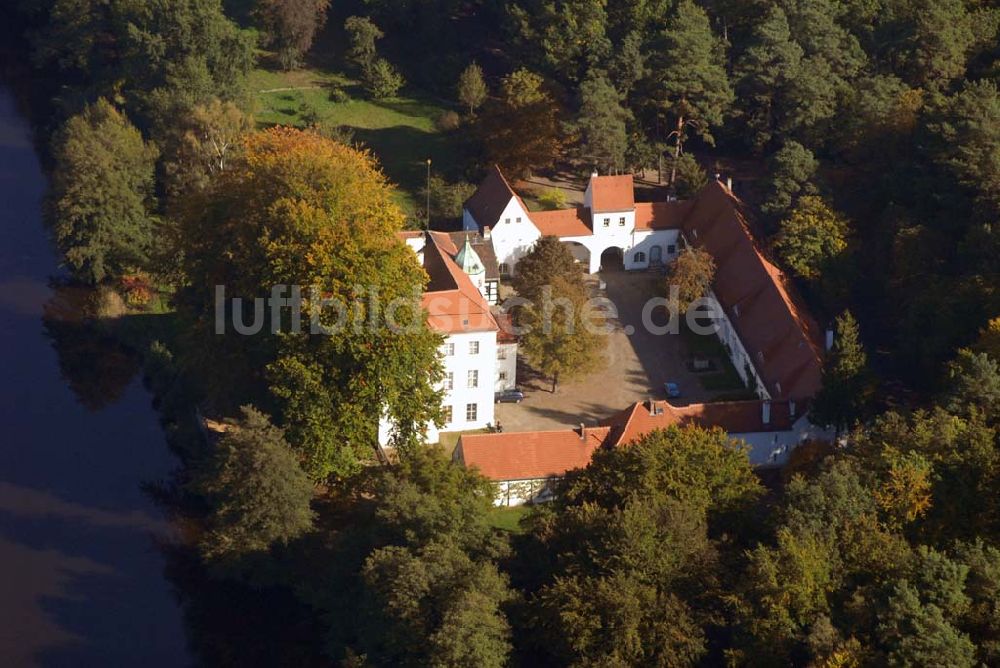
x=471 y=264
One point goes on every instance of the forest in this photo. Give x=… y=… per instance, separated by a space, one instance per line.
x=867 y=134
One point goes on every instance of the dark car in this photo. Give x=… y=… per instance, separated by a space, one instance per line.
x=673 y=390
x=514 y=396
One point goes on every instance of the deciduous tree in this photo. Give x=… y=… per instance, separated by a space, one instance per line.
x=472 y=90
x=811 y=236
x=563 y=337
x=547 y=260
x=691 y=274
x=301 y=210
x=521 y=130
x=258 y=493
x=101 y=200
x=292 y=26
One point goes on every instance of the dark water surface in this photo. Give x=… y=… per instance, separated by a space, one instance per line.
x=81 y=578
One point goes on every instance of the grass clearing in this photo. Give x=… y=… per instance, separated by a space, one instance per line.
x=400 y=131
x=508 y=518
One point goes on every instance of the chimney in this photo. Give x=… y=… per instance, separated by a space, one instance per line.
x=583 y=432
x=652 y=406
x=791 y=408
x=729 y=183
x=486 y=233
x=829 y=338
x=765 y=412
x=594 y=174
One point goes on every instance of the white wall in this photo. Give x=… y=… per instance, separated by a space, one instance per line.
x=512 y=239
x=644 y=241
x=520 y=492
x=507 y=365
x=738 y=354
x=772 y=448
x=459 y=364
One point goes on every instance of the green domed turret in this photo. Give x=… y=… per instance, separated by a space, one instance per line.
x=469 y=260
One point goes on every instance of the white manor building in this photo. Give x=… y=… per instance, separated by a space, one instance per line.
x=773 y=343
x=479 y=358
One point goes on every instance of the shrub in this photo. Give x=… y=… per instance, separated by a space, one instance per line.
x=136 y=289
x=382 y=80
x=339 y=95
x=448 y=121
x=106 y=303
x=552 y=198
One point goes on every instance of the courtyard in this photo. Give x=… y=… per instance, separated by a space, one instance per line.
x=638 y=363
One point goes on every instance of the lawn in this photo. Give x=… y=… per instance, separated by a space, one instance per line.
x=508 y=519
x=400 y=131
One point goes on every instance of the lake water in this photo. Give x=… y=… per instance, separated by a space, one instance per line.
x=81 y=576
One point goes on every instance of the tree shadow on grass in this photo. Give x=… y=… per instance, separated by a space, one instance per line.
x=403 y=152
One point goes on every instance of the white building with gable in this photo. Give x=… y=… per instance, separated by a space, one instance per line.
x=457 y=301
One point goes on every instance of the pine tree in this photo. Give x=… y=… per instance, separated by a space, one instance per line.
x=694 y=89
x=763 y=72
x=841 y=399
x=601 y=123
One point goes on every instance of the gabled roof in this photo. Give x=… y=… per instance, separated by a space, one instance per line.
x=760 y=301
x=563 y=222
x=735 y=417
x=529 y=455
x=661 y=215
x=612 y=193
x=452 y=302
x=491 y=198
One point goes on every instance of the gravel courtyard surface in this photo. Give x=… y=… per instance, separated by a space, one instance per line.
x=637 y=366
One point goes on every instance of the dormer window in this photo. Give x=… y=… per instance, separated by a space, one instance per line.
x=607 y=222
x=621 y=222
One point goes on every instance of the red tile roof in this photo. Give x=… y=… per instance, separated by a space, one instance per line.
x=563 y=222
x=491 y=198
x=763 y=306
x=529 y=455
x=735 y=417
x=661 y=215
x=612 y=193
x=544 y=454
x=452 y=302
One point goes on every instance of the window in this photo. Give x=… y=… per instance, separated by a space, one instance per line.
x=639 y=257
x=491 y=290
x=503 y=375
x=473 y=347
x=504 y=269
x=447 y=413
x=519 y=219
x=471 y=412
x=449 y=381
x=621 y=222
x=449 y=349
x=501 y=352
x=506 y=220
x=671 y=249
x=473 y=378
x=607 y=221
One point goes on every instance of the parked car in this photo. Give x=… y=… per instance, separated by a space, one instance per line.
x=514 y=396
x=673 y=390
